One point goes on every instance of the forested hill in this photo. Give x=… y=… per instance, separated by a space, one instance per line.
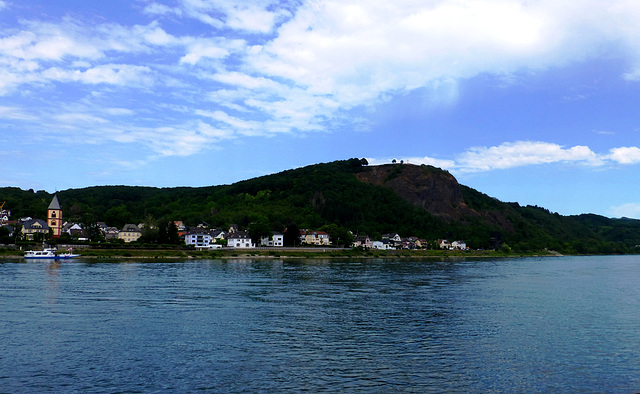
x=410 y=200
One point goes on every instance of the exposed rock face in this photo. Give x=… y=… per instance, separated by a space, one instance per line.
x=426 y=187
x=432 y=189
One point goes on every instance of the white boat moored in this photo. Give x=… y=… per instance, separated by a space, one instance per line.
x=48 y=254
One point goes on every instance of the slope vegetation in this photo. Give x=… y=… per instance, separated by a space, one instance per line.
x=411 y=200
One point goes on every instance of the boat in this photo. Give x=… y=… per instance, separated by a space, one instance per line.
x=40 y=254
x=67 y=255
x=48 y=254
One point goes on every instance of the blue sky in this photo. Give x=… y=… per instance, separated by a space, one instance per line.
x=528 y=101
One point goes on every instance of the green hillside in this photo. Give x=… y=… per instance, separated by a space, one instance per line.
x=420 y=201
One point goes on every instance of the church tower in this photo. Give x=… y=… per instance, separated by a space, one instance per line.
x=54 y=217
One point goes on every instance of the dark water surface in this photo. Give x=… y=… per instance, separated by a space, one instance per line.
x=533 y=324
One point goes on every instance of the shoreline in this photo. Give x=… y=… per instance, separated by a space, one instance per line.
x=284 y=253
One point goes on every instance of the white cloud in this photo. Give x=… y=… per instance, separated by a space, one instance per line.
x=115 y=74
x=65 y=52
x=240 y=125
x=46 y=41
x=298 y=67
x=171 y=141
x=215 y=134
x=246 y=81
x=256 y=16
x=71 y=39
x=161 y=9
x=252 y=19
x=15 y=113
x=633 y=75
x=161 y=141
x=523 y=153
x=356 y=53
x=356 y=50
x=123 y=39
x=157 y=36
x=119 y=111
x=75 y=118
x=626 y=155
x=630 y=210
x=199 y=51
x=212 y=48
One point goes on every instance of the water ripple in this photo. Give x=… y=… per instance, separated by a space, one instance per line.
x=565 y=324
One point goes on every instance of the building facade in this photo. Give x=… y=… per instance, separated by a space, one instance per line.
x=239 y=239
x=54 y=217
x=34 y=228
x=130 y=233
x=199 y=239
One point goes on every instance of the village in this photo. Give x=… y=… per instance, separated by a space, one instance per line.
x=200 y=237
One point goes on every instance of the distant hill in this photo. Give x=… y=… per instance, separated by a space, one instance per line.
x=422 y=201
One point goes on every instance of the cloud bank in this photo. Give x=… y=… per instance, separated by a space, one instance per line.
x=264 y=68
x=630 y=210
x=521 y=154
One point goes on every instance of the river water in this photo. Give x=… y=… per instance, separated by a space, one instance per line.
x=509 y=325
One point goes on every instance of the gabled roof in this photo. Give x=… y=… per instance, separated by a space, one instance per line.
x=238 y=235
x=54 y=203
x=198 y=232
x=130 y=228
x=34 y=224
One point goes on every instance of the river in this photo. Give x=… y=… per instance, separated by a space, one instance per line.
x=508 y=325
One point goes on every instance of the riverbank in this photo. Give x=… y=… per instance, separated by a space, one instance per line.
x=270 y=253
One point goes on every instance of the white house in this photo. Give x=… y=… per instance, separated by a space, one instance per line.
x=382 y=245
x=394 y=238
x=199 y=239
x=239 y=239
x=218 y=235
x=458 y=245
x=362 y=241
x=4 y=214
x=277 y=239
x=75 y=229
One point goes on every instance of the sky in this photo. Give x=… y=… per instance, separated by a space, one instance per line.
x=528 y=101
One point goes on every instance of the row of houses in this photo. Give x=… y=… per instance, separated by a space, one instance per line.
x=37 y=229
x=395 y=242
x=201 y=238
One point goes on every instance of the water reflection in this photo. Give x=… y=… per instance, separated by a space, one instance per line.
x=53 y=287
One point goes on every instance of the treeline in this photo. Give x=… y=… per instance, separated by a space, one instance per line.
x=535 y=228
x=329 y=196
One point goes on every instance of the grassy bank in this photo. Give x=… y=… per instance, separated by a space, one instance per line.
x=163 y=254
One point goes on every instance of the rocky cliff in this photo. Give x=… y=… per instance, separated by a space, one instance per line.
x=432 y=189
x=426 y=187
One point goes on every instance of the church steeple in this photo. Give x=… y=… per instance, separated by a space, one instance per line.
x=54 y=217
